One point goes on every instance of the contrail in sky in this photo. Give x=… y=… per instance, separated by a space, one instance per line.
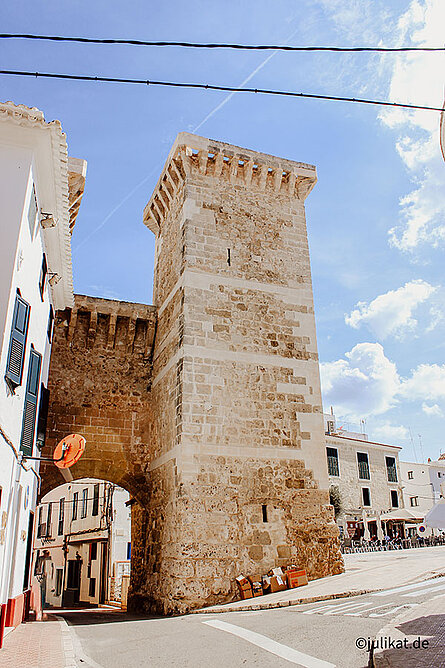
x=195 y=129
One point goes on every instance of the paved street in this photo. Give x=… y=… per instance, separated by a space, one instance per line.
x=315 y=635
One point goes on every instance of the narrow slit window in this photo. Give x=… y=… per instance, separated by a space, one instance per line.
x=264 y=509
x=228 y=257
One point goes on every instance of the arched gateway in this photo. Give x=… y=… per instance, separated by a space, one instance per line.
x=206 y=406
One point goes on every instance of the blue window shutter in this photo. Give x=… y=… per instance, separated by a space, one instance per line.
x=17 y=342
x=30 y=408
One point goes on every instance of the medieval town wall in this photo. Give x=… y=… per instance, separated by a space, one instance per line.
x=213 y=422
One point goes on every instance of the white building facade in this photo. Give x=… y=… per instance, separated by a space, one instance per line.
x=423 y=484
x=367 y=477
x=40 y=192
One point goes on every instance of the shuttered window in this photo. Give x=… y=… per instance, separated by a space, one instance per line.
x=30 y=409
x=42 y=279
x=17 y=343
x=43 y=416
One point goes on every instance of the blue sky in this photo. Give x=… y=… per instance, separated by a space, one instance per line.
x=376 y=219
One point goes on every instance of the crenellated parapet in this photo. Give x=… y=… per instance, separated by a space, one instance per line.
x=118 y=326
x=192 y=155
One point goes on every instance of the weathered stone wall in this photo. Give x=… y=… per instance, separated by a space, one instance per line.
x=217 y=431
x=99 y=373
x=235 y=372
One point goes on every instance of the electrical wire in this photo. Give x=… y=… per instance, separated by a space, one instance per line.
x=221 y=45
x=178 y=84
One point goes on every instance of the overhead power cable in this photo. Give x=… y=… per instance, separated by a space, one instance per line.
x=221 y=45
x=178 y=84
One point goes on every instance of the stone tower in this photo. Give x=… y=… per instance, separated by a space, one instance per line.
x=237 y=474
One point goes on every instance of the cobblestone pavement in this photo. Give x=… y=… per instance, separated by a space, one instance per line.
x=418 y=636
x=43 y=644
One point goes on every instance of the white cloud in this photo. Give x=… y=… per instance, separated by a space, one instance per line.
x=434 y=410
x=365 y=383
x=389 y=433
x=391 y=313
x=417 y=79
x=427 y=382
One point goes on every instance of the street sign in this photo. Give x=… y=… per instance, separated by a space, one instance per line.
x=69 y=451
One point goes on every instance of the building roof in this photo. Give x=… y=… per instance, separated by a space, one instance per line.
x=362 y=442
x=63 y=179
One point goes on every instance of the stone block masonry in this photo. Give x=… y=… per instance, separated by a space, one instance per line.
x=228 y=442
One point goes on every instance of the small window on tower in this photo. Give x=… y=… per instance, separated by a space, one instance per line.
x=264 y=509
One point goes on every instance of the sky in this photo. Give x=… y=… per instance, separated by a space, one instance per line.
x=376 y=218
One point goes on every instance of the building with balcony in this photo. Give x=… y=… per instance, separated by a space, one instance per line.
x=365 y=480
x=82 y=543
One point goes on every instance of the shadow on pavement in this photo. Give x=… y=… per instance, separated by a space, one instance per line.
x=431 y=629
x=87 y=617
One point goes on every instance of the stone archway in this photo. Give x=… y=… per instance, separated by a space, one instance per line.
x=207 y=406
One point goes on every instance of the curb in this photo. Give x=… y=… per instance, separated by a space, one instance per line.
x=249 y=607
x=378 y=658
x=282 y=604
x=67 y=643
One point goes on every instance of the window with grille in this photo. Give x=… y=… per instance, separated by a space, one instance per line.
x=95 y=510
x=61 y=516
x=17 y=341
x=363 y=466
x=332 y=454
x=414 y=501
x=391 y=469
x=84 y=503
x=75 y=505
x=49 y=520
x=410 y=475
x=30 y=407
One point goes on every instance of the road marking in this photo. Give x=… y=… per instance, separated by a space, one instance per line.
x=397 y=590
x=388 y=612
x=423 y=591
x=283 y=651
x=332 y=606
x=341 y=610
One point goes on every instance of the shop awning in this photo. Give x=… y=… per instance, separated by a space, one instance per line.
x=401 y=515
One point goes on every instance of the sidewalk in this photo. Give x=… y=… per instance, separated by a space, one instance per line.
x=365 y=572
x=45 y=644
x=420 y=634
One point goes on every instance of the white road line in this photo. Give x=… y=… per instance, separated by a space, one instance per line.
x=332 y=606
x=283 y=651
x=386 y=592
x=398 y=607
x=344 y=609
x=423 y=591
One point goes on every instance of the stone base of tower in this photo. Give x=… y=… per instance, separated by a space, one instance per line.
x=236 y=515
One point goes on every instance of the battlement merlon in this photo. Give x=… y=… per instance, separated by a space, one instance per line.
x=258 y=171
